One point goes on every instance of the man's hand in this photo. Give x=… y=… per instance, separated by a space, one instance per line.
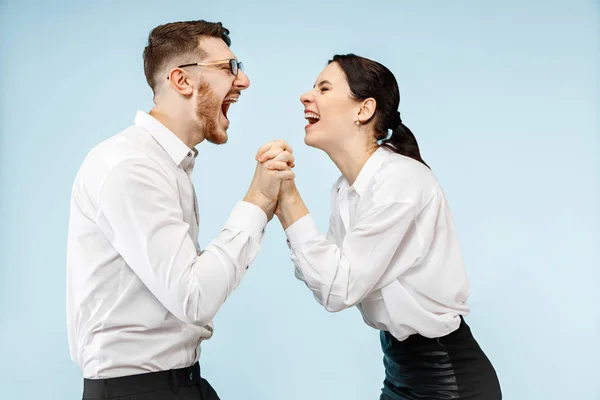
x=269 y=175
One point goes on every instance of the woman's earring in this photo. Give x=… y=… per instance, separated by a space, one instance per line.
x=357 y=122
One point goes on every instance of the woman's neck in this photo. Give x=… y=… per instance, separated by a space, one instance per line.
x=351 y=159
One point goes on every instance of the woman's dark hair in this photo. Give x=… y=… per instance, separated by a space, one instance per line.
x=370 y=79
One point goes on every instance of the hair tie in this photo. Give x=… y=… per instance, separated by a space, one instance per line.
x=396 y=121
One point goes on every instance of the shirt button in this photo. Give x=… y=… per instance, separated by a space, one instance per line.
x=247 y=266
x=263 y=231
x=338 y=190
x=191 y=376
x=190 y=154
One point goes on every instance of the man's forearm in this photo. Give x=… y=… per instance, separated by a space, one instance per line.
x=261 y=201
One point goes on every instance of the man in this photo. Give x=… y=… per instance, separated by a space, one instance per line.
x=141 y=295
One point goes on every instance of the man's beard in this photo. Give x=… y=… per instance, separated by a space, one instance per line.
x=208 y=107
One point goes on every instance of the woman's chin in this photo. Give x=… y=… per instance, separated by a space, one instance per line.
x=310 y=140
x=318 y=140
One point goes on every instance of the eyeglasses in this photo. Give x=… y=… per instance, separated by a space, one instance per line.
x=234 y=65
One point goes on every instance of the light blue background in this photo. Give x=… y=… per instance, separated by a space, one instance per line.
x=502 y=96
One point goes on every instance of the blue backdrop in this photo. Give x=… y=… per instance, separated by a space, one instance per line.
x=502 y=96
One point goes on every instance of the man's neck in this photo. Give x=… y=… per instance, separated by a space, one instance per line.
x=178 y=124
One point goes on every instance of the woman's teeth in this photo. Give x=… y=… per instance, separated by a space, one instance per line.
x=312 y=117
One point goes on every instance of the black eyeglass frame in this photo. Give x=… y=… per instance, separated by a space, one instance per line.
x=234 y=65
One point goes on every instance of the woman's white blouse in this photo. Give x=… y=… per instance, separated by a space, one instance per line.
x=391 y=250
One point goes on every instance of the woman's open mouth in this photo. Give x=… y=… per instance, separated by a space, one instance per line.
x=311 y=117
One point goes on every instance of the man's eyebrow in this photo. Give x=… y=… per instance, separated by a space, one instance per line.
x=324 y=82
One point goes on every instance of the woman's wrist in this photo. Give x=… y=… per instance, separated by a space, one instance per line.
x=290 y=208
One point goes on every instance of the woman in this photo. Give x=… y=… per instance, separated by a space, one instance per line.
x=392 y=247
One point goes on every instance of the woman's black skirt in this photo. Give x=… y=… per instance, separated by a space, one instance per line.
x=449 y=367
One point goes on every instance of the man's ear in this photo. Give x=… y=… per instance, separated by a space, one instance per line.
x=180 y=81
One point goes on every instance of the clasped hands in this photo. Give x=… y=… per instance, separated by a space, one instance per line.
x=273 y=188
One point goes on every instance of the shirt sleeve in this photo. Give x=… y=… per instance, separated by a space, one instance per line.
x=140 y=213
x=342 y=276
x=332 y=230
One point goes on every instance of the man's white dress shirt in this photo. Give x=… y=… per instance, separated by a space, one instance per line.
x=141 y=295
x=391 y=250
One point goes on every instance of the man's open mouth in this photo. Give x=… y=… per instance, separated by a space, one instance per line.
x=226 y=104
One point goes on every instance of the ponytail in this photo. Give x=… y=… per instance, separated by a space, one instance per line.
x=402 y=140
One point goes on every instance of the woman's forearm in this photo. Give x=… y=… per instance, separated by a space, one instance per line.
x=290 y=207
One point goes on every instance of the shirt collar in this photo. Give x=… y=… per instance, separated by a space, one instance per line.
x=373 y=164
x=173 y=146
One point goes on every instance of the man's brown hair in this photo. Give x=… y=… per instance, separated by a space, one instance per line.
x=177 y=39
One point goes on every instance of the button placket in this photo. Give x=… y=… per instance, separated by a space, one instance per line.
x=344 y=208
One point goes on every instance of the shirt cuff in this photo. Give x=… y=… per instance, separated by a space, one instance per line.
x=301 y=232
x=239 y=241
x=249 y=217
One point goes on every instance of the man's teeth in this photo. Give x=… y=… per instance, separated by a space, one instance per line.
x=311 y=115
x=230 y=100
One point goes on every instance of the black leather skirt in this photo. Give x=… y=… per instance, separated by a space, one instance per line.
x=449 y=367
